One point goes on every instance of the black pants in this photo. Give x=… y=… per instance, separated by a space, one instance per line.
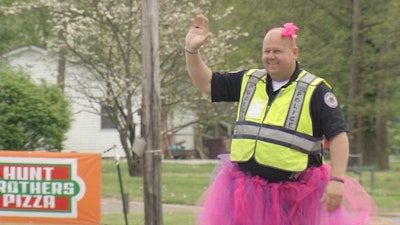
x=270 y=174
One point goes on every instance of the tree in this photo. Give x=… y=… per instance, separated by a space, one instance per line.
x=104 y=36
x=355 y=122
x=325 y=41
x=179 y=96
x=32 y=116
x=380 y=87
x=18 y=30
x=361 y=61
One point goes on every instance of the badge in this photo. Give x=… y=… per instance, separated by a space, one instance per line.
x=330 y=100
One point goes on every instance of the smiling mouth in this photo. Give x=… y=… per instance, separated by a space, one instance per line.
x=272 y=64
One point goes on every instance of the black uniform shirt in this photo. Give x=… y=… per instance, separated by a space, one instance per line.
x=327 y=120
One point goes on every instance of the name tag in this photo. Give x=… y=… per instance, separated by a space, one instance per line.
x=255 y=110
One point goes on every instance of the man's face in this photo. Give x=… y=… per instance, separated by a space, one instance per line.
x=279 y=55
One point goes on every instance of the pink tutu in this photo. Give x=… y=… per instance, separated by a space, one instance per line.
x=235 y=198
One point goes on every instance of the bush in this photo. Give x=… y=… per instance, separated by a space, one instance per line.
x=32 y=116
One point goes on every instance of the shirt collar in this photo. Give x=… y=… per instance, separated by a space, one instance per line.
x=292 y=78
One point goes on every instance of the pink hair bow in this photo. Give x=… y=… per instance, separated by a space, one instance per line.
x=289 y=30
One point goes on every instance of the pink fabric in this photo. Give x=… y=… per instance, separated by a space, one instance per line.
x=290 y=30
x=237 y=199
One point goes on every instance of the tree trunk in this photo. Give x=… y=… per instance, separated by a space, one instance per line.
x=353 y=119
x=370 y=142
x=382 y=146
x=135 y=165
x=382 y=135
x=62 y=61
x=151 y=108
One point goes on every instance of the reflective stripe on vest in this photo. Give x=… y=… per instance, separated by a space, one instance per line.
x=295 y=106
x=278 y=140
x=250 y=90
x=299 y=142
x=298 y=99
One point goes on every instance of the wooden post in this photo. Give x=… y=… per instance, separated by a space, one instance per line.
x=151 y=116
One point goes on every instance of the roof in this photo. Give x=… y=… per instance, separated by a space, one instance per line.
x=24 y=49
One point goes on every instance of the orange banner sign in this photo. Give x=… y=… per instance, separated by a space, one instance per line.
x=50 y=187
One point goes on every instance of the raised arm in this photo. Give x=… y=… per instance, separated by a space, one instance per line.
x=198 y=70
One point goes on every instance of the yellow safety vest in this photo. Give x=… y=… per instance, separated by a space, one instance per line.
x=278 y=134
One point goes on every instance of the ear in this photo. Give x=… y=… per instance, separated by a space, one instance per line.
x=295 y=52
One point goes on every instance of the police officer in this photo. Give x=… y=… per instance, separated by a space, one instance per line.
x=283 y=114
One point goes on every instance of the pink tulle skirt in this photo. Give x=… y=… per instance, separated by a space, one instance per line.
x=235 y=198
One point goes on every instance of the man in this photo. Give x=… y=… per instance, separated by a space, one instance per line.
x=275 y=173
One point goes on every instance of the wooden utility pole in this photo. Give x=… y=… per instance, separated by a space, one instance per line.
x=151 y=116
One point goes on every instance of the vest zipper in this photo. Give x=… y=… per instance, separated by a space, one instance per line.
x=259 y=129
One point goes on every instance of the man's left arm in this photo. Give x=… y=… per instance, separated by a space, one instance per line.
x=330 y=122
x=339 y=152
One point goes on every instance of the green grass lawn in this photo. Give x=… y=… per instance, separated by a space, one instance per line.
x=387 y=187
x=181 y=183
x=184 y=184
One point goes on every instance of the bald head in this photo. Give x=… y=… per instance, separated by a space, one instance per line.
x=279 y=55
x=277 y=34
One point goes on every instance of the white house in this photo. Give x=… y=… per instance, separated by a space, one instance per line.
x=88 y=132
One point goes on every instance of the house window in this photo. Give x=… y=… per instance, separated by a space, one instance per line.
x=106 y=122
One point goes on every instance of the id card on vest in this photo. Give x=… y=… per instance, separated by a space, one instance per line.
x=255 y=110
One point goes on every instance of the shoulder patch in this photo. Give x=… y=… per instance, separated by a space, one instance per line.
x=331 y=100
